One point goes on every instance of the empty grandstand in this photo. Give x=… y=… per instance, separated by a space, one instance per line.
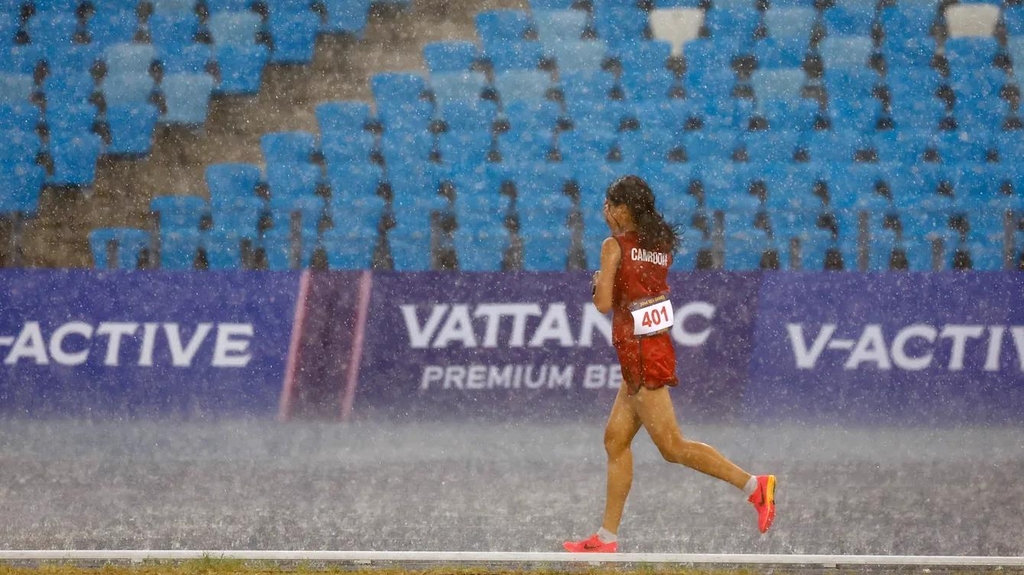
x=332 y=134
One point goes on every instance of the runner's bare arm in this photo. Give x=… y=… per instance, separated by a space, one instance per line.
x=605 y=278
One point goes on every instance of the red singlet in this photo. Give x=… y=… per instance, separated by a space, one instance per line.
x=646 y=361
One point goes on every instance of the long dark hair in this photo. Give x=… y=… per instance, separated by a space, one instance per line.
x=654 y=232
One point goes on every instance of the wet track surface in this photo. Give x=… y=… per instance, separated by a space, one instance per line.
x=498 y=487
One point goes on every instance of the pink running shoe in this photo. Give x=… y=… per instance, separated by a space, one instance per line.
x=591 y=545
x=764 y=501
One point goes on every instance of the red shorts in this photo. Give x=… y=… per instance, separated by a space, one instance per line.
x=649 y=362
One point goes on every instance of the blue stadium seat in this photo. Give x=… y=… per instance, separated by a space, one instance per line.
x=455 y=86
x=589 y=85
x=68 y=89
x=960 y=147
x=908 y=51
x=830 y=146
x=450 y=56
x=9 y=24
x=524 y=115
x=513 y=85
x=346 y=17
x=74 y=159
x=909 y=20
x=343 y=116
x=620 y=25
x=557 y=26
x=131 y=128
x=127 y=88
x=20 y=146
x=515 y=55
x=480 y=205
x=552 y=4
x=223 y=250
x=779 y=83
x=653 y=145
x=712 y=53
x=236 y=215
x=349 y=248
x=795 y=22
x=813 y=249
x=970 y=53
x=546 y=250
x=291 y=180
x=654 y=84
x=172 y=32
x=770 y=146
x=20 y=185
x=645 y=55
x=410 y=251
x=20 y=59
x=308 y=209
x=232 y=180
x=787 y=223
x=217 y=6
x=849 y=19
x=501 y=26
x=241 y=68
x=107 y=27
x=179 y=248
x=579 y=55
x=405 y=149
x=846 y=51
x=524 y=146
x=129 y=58
x=51 y=28
x=540 y=188
x=358 y=213
x=72 y=59
x=15 y=88
x=737 y=24
x=346 y=148
x=187 y=97
x=800 y=115
x=294 y=35
x=234 y=28
x=579 y=146
x=287 y=147
x=464 y=148
x=710 y=146
x=69 y=120
x=397 y=87
x=128 y=242
x=710 y=84
x=985 y=256
x=481 y=250
x=173 y=6
x=19 y=116
x=176 y=212
x=190 y=58
x=469 y=115
x=743 y=251
x=780 y=52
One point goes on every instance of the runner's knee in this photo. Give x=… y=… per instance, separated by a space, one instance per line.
x=615 y=443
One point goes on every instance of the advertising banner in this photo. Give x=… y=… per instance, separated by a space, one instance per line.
x=890 y=349
x=83 y=343
x=533 y=344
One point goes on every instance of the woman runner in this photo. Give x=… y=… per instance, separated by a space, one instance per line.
x=632 y=282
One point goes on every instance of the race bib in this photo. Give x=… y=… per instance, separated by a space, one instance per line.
x=652 y=316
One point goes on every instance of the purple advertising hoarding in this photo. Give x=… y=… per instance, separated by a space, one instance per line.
x=532 y=344
x=83 y=343
x=889 y=349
